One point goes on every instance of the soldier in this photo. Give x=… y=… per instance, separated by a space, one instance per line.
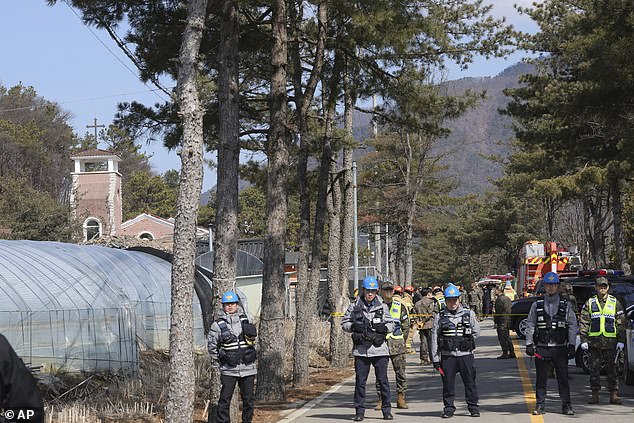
x=602 y=329
x=369 y=321
x=396 y=343
x=502 y=321
x=475 y=302
x=424 y=310
x=452 y=343
x=551 y=333
x=408 y=302
x=566 y=291
x=439 y=299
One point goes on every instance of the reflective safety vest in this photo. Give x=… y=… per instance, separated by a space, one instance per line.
x=455 y=337
x=603 y=320
x=552 y=328
x=395 y=312
x=440 y=303
x=235 y=349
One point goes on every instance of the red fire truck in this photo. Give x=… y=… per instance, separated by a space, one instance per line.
x=536 y=259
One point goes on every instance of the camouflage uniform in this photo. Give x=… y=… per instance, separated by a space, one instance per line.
x=408 y=302
x=502 y=320
x=425 y=320
x=601 y=348
x=397 y=353
x=475 y=300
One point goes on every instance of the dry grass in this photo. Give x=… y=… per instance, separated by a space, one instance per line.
x=141 y=398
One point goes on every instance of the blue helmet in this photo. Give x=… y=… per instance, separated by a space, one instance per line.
x=229 y=297
x=452 y=291
x=370 y=282
x=551 y=278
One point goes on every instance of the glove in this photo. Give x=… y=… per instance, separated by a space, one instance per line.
x=571 y=351
x=436 y=365
x=358 y=327
x=584 y=346
x=530 y=350
x=620 y=346
x=380 y=328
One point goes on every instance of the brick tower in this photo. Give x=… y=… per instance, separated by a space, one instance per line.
x=96 y=194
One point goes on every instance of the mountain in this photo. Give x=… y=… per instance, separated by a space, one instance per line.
x=481 y=131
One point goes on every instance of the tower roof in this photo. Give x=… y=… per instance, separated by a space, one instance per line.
x=95 y=153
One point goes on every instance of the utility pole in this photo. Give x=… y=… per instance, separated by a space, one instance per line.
x=94 y=125
x=387 y=252
x=378 y=262
x=355 y=229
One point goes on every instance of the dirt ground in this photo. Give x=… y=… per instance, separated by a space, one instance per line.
x=321 y=381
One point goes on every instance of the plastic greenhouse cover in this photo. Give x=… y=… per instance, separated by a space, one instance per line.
x=83 y=307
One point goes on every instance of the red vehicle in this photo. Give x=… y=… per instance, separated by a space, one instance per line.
x=536 y=259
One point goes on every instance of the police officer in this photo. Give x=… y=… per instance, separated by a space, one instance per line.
x=369 y=321
x=18 y=389
x=231 y=342
x=502 y=320
x=602 y=329
x=396 y=343
x=453 y=337
x=551 y=333
x=424 y=310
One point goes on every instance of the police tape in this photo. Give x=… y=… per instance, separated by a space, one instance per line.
x=339 y=314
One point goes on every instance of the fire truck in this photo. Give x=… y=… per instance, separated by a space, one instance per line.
x=536 y=259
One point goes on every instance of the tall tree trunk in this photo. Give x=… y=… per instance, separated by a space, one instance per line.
x=226 y=236
x=303 y=99
x=617 y=221
x=340 y=342
x=271 y=364
x=180 y=399
x=333 y=202
x=307 y=312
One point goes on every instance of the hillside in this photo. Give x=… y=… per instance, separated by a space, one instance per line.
x=482 y=131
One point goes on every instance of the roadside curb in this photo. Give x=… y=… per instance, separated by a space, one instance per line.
x=314 y=402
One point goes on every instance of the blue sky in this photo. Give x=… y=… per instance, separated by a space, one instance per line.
x=50 y=49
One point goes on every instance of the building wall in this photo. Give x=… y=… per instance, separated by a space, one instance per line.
x=147 y=225
x=98 y=194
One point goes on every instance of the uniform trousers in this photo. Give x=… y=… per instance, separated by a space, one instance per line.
x=504 y=337
x=599 y=356
x=465 y=365
x=226 y=392
x=425 y=343
x=558 y=356
x=399 y=364
x=362 y=369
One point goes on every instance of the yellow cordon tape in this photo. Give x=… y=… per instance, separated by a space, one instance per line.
x=527 y=385
x=339 y=314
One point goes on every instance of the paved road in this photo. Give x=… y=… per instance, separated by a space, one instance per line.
x=506 y=390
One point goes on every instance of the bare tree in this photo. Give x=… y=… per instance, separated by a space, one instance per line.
x=180 y=402
x=271 y=365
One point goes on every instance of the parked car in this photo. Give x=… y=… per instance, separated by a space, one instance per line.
x=628 y=370
x=621 y=286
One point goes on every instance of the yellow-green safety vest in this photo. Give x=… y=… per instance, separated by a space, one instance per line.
x=395 y=312
x=603 y=321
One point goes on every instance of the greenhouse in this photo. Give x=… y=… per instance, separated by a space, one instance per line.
x=88 y=308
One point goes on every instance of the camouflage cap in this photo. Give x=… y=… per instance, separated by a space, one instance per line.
x=387 y=285
x=602 y=281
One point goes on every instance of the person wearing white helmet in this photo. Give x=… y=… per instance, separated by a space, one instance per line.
x=453 y=337
x=551 y=333
x=231 y=342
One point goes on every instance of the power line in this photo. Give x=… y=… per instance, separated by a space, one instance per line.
x=111 y=52
x=80 y=100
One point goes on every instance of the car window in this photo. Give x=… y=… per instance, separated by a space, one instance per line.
x=624 y=293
